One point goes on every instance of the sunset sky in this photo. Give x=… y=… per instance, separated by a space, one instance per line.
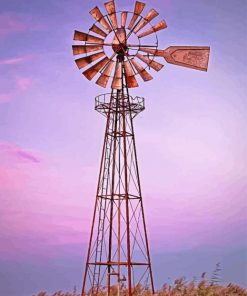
x=191 y=145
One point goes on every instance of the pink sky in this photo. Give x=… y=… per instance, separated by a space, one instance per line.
x=191 y=144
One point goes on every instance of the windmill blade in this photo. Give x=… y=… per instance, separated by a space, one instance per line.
x=110 y=8
x=123 y=18
x=98 y=31
x=147 y=19
x=143 y=73
x=82 y=49
x=160 y=26
x=98 y=16
x=83 y=62
x=106 y=74
x=195 y=57
x=151 y=63
x=80 y=36
x=139 y=6
x=117 y=79
x=155 y=52
x=130 y=75
x=94 y=70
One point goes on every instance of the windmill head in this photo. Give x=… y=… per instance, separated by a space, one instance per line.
x=108 y=47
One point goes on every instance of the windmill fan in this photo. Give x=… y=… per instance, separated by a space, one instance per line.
x=119 y=50
x=119 y=28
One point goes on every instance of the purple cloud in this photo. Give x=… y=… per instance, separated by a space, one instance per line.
x=27 y=156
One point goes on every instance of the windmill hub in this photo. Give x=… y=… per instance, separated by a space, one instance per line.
x=119 y=44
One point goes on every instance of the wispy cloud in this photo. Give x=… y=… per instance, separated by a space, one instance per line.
x=14 y=60
x=24 y=83
x=13 y=153
x=20 y=84
x=11 y=24
x=33 y=189
x=4 y=98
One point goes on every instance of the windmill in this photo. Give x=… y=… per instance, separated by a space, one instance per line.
x=120 y=48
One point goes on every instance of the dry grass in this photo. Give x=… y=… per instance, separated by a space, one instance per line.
x=179 y=288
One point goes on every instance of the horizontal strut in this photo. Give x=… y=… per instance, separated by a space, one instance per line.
x=119 y=263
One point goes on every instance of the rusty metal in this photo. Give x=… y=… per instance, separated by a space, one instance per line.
x=139 y=6
x=141 y=71
x=152 y=51
x=118 y=243
x=117 y=151
x=130 y=75
x=110 y=8
x=119 y=43
x=118 y=195
x=195 y=57
x=98 y=16
x=106 y=74
x=142 y=211
x=80 y=36
x=94 y=70
x=136 y=105
x=147 y=19
x=124 y=15
x=151 y=63
x=98 y=31
x=81 y=49
x=118 y=263
x=117 y=79
x=83 y=62
x=126 y=187
x=160 y=26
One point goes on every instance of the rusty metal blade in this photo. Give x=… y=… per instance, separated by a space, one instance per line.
x=139 y=6
x=150 y=16
x=117 y=79
x=153 y=64
x=94 y=70
x=110 y=8
x=80 y=36
x=155 y=52
x=160 y=26
x=141 y=71
x=98 y=16
x=124 y=15
x=130 y=75
x=195 y=57
x=98 y=31
x=106 y=74
x=83 y=62
x=81 y=49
